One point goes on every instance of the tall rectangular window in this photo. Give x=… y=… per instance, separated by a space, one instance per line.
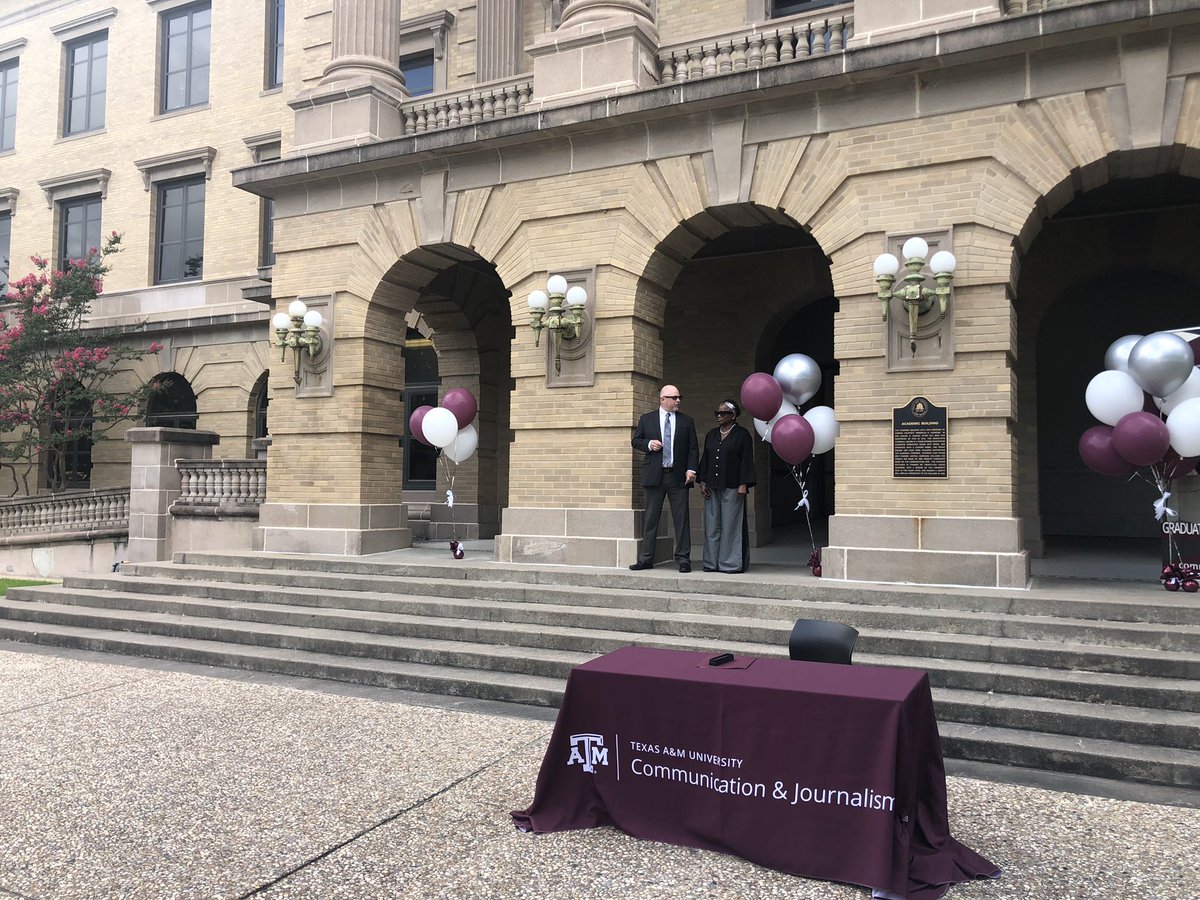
x=8 y=105
x=179 y=239
x=79 y=228
x=5 y=243
x=186 y=49
x=274 y=43
x=87 y=78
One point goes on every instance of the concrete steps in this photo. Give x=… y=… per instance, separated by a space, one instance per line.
x=1095 y=682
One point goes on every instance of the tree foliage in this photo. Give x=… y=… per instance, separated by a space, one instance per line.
x=56 y=373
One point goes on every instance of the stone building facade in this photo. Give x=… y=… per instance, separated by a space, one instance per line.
x=720 y=178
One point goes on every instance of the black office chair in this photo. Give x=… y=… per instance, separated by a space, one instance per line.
x=815 y=640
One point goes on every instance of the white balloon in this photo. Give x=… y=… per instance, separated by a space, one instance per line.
x=1183 y=424
x=764 y=428
x=825 y=428
x=440 y=426
x=1190 y=389
x=1110 y=395
x=464 y=444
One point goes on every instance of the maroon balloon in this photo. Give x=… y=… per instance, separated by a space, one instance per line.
x=1097 y=452
x=414 y=424
x=1141 y=438
x=792 y=437
x=462 y=404
x=1172 y=465
x=762 y=396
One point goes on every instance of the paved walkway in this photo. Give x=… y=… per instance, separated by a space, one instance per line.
x=127 y=779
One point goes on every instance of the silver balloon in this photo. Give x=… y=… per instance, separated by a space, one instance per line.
x=799 y=376
x=1161 y=362
x=1116 y=358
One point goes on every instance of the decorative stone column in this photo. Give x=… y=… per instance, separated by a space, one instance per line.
x=602 y=47
x=154 y=484
x=499 y=39
x=358 y=98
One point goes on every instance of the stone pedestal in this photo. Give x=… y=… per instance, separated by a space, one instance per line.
x=878 y=21
x=601 y=48
x=154 y=484
x=359 y=96
x=977 y=552
x=336 y=529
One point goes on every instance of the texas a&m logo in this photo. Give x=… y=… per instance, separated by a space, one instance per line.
x=588 y=750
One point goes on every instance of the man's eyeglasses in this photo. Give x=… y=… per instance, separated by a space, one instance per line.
x=670 y=397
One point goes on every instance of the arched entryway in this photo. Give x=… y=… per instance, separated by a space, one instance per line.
x=1117 y=259
x=443 y=312
x=750 y=286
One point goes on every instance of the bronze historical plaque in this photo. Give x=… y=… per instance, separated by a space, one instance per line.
x=919 y=440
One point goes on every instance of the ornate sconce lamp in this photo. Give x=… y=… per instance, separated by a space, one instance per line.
x=300 y=329
x=916 y=297
x=546 y=308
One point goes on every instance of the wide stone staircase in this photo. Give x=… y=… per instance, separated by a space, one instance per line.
x=1085 y=678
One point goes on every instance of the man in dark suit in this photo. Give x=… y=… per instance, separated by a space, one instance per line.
x=668 y=438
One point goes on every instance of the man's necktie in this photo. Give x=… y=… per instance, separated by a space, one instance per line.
x=668 y=448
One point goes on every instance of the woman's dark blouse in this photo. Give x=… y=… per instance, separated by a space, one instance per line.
x=727 y=463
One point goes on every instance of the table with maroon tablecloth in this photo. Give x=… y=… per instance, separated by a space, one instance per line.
x=831 y=772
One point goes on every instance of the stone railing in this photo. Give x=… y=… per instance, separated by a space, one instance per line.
x=67 y=515
x=1018 y=7
x=482 y=102
x=220 y=487
x=767 y=45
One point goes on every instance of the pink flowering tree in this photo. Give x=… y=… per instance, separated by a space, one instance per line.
x=56 y=373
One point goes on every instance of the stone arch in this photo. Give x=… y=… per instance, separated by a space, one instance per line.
x=455 y=297
x=1107 y=251
x=740 y=287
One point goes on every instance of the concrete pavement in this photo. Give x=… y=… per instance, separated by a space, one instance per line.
x=126 y=778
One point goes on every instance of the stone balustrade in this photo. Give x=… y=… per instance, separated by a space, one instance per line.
x=1019 y=7
x=225 y=487
x=783 y=42
x=483 y=102
x=66 y=515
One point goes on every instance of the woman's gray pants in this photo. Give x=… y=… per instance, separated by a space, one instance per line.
x=724 y=511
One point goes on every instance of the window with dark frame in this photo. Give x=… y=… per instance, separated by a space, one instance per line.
x=78 y=228
x=75 y=456
x=179 y=237
x=8 y=105
x=173 y=403
x=266 y=249
x=418 y=72
x=420 y=389
x=262 y=400
x=274 y=43
x=5 y=245
x=186 y=46
x=87 y=80
x=781 y=8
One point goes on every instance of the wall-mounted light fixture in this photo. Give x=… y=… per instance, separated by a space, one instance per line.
x=300 y=329
x=546 y=308
x=917 y=299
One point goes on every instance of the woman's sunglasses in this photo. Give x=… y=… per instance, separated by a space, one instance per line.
x=722 y=412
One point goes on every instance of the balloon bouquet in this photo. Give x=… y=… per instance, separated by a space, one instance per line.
x=1167 y=442
x=774 y=401
x=448 y=427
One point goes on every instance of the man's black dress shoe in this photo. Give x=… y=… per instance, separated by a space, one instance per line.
x=638 y=566
x=685 y=567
